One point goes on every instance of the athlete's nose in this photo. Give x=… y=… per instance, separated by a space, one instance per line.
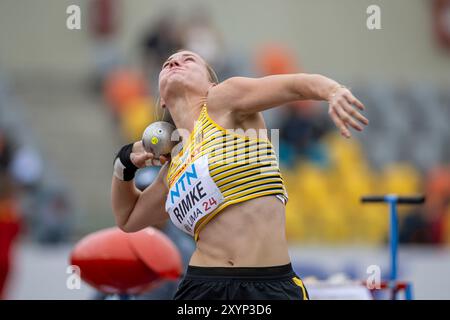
x=174 y=63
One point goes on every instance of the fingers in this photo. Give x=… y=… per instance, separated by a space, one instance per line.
x=140 y=159
x=339 y=123
x=346 y=117
x=138 y=146
x=149 y=159
x=146 y=159
x=355 y=114
x=153 y=162
x=347 y=105
x=352 y=100
x=163 y=159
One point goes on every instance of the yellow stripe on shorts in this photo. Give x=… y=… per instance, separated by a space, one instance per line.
x=299 y=282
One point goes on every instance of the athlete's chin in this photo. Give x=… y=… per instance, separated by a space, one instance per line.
x=176 y=80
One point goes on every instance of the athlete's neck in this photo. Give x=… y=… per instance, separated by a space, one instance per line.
x=185 y=110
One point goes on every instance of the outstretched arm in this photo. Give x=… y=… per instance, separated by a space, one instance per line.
x=247 y=96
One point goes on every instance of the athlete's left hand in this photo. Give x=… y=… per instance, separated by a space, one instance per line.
x=342 y=111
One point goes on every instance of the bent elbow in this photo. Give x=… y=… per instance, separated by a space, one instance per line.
x=125 y=228
x=124 y=225
x=129 y=227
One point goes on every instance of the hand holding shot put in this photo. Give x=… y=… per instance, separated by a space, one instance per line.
x=156 y=145
x=153 y=150
x=141 y=158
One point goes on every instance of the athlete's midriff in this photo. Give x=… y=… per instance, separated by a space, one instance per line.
x=247 y=234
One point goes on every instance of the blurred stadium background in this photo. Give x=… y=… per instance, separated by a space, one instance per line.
x=70 y=98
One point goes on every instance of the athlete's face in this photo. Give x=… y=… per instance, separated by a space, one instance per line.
x=184 y=69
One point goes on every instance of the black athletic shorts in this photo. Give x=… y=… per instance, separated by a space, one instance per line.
x=261 y=283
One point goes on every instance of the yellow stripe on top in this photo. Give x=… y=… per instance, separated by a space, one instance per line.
x=242 y=167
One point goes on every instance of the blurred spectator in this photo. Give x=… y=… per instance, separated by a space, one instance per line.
x=121 y=86
x=158 y=42
x=139 y=114
x=200 y=35
x=428 y=223
x=9 y=228
x=26 y=167
x=197 y=33
x=301 y=130
x=301 y=123
x=104 y=25
x=9 y=213
x=415 y=228
x=6 y=151
x=103 y=17
x=52 y=216
x=46 y=210
x=438 y=199
x=274 y=59
x=46 y=214
x=131 y=105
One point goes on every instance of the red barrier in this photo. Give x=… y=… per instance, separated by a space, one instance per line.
x=116 y=262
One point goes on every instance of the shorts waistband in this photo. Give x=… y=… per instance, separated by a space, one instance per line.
x=250 y=273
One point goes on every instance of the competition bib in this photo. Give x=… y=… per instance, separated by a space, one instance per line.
x=193 y=196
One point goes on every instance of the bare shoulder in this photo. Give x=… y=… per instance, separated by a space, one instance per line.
x=227 y=95
x=224 y=107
